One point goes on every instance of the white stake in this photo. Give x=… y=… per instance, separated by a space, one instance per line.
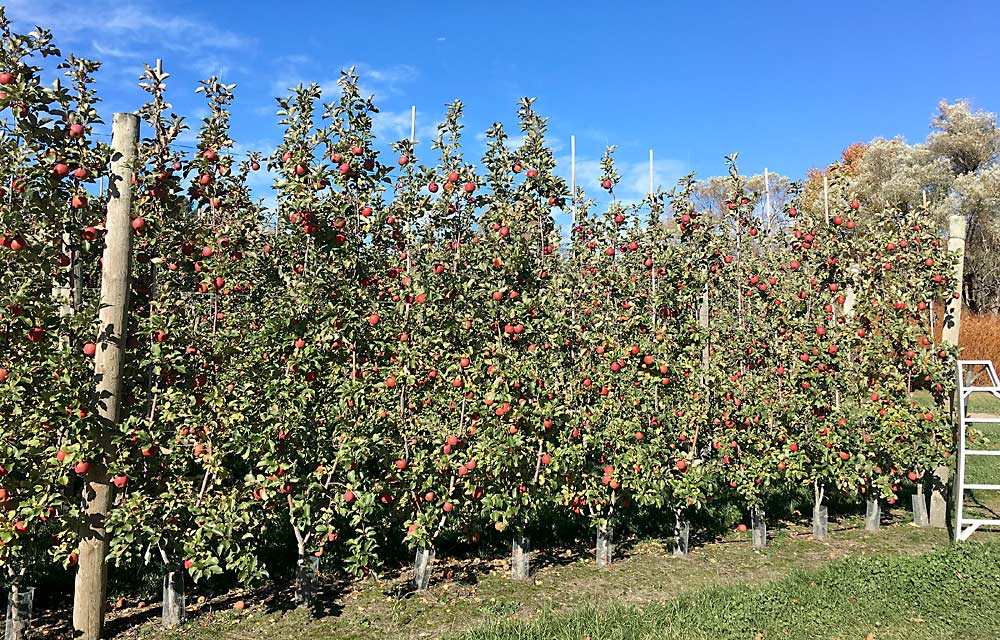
x=826 y=200
x=767 y=197
x=572 y=176
x=651 y=176
x=413 y=124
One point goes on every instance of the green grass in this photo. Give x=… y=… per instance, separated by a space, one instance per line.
x=982 y=403
x=900 y=582
x=950 y=593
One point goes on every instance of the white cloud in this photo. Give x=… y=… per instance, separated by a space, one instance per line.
x=132 y=31
x=634 y=184
x=384 y=81
x=381 y=82
x=390 y=126
x=111 y=51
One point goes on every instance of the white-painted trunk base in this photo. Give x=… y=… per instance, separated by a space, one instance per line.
x=174 y=612
x=821 y=523
x=920 y=517
x=873 y=515
x=423 y=566
x=758 y=522
x=605 y=546
x=520 y=558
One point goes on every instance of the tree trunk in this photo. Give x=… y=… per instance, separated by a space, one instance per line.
x=759 y=523
x=423 y=566
x=520 y=558
x=939 y=504
x=91 y=577
x=821 y=522
x=920 y=507
x=174 y=611
x=605 y=546
x=19 y=605
x=873 y=515
x=306 y=580
x=682 y=533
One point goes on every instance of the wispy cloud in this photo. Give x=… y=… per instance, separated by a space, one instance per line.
x=634 y=184
x=111 y=51
x=131 y=31
x=388 y=125
x=381 y=82
x=384 y=81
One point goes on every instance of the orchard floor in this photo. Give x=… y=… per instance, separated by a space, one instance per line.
x=647 y=593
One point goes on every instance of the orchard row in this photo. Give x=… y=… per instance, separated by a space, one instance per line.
x=412 y=343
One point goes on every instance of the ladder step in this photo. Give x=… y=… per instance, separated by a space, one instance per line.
x=978 y=521
x=982 y=452
x=981 y=420
x=985 y=487
x=967 y=390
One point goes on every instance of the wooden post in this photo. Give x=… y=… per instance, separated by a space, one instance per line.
x=91 y=577
x=953 y=308
x=950 y=333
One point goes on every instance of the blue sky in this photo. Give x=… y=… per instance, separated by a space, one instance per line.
x=786 y=84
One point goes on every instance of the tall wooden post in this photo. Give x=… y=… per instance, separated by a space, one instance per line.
x=950 y=335
x=953 y=309
x=92 y=574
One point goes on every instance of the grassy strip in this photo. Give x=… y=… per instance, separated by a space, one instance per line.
x=953 y=593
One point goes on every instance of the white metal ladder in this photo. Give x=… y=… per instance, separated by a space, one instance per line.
x=970 y=380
